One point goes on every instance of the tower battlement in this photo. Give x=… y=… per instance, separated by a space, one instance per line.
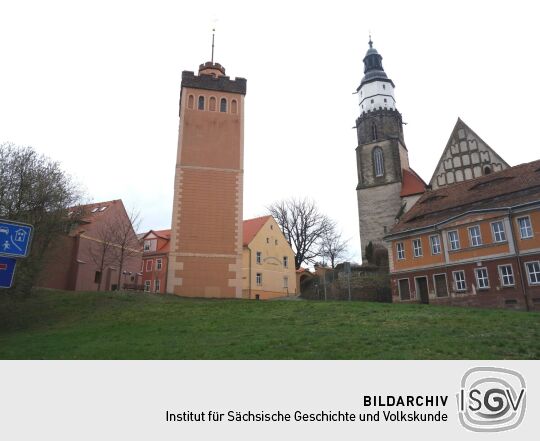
x=210 y=82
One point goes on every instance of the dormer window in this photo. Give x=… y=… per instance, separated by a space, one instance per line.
x=378 y=161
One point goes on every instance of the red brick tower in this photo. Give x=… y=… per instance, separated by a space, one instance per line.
x=206 y=239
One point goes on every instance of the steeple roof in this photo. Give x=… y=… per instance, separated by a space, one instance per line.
x=373 y=68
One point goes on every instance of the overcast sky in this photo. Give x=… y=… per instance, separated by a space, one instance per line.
x=95 y=85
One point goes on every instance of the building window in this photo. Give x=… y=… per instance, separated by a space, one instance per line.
x=404 y=289
x=158 y=264
x=459 y=280
x=258 y=279
x=378 y=161
x=191 y=101
x=212 y=104
x=417 y=247
x=482 y=280
x=275 y=242
x=258 y=257
x=285 y=282
x=373 y=131
x=507 y=275
x=525 y=227
x=384 y=86
x=435 y=244
x=149 y=264
x=453 y=238
x=400 y=251
x=201 y=103
x=97 y=277
x=372 y=101
x=156 y=285
x=499 y=235
x=475 y=236
x=285 y=262
x=223 y=105
x=147 y=285
x=533 y=272
x=234 y=107
x=267 y=240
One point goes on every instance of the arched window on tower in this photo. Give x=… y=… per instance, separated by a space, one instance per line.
x=234 y=106
x=374 y=131
x=190 y=102
x=223 y=105
x=378 y=161
x=201 y=103
x=212 y=104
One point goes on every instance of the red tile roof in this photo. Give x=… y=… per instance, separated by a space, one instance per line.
x=412 y=183
x=252 y=227
x=508 y=188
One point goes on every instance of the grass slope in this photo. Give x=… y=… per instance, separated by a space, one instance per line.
x=68 y=325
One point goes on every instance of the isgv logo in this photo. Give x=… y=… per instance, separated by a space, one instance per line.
x=491 y=399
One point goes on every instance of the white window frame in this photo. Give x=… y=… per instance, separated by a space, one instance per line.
x=537 y=273
x=400 y=250
x=456 y=287
x=451 y=242
x=528 y=228
x=500 y=232
x=285 y=262
x=258 y=279
x=419 y=249
x=157 y=285
x=151 y=262
x=147 y=285
x=147 y=245
x=502 y=276
x=473 y=239
x=438 y=244
x=399 y=289
x=476 y=270
x=159 y=264
x=435 y=285
x=258 y=257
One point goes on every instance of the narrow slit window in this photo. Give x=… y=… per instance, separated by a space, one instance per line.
x=378 y=161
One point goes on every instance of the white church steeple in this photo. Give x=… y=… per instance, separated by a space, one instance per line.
x=376 y=90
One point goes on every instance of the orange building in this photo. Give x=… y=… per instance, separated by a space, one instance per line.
x=155 y=260
x=206 y=237
x=473 y=243
x=268 y=261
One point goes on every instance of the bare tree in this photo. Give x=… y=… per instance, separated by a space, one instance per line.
x=102 y=251
x=303 y=226
x=333 y=247
x=35 y=190
x=126 y=243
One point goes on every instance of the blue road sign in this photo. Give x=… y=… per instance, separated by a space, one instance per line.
x=15 y=238
x=7 y=270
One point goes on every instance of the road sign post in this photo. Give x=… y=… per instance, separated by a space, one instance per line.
x=15 y=239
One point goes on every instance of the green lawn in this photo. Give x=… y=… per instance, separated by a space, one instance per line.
x=68 y=325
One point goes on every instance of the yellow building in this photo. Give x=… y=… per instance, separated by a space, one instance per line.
x=268 y=269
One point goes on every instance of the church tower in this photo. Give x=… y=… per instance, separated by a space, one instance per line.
x=381 y=156
x=205 y=257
